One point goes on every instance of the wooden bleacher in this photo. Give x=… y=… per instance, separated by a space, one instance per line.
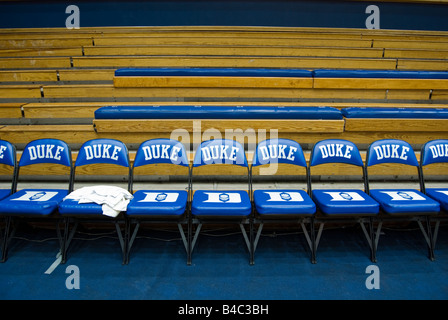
x=52 y=80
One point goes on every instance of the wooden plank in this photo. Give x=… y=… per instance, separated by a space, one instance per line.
x=81 y=133
x=396 y=125
x=41 y=52
x=403 y=44
x=222 y=125
x=234 y=62
x=61 y=110
x=212 y=82
x=416 y=53
x=416 y=94
x=109 y=91
x=20 y=91
x=46 y=41
x=254 y=39
x=439 y=95
x=32 y=62
x=380 y=83
x=28 y=75
x=416 y=64
x=11 y=110
x=86 y=74
x=251 y=50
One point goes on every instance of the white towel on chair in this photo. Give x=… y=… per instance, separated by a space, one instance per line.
x=113 y=200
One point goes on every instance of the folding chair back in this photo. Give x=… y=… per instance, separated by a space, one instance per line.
x=8 y=158
x=285 y=201
x=341 y=201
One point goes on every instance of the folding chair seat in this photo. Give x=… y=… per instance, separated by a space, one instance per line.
x=73 y=209
x=226 y=205
x=37 y=202
x=401 y=203
x=282 y=205
x=342 y=204
x=159 y=205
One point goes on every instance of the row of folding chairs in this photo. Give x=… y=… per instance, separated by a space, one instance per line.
x=251 y=208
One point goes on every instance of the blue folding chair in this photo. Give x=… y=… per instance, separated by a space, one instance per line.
x=407 y=204
x=95 y=152
x=341 y=205
x=435 y=152
x=225 y=205
x=36 y=202
x=8 y=164
x=280 y=205
x=156 y=205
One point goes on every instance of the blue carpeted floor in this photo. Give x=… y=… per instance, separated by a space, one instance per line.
x=220 y=269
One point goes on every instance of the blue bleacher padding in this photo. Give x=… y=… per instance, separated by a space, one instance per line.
x=389 y=74
x=216 y=112
x=398 y=113
x=213 y=72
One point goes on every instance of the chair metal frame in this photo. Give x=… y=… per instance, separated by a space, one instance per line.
x=421 y=217
x=184 y=219
x=25 y=160
x=365 y=220
x=241 y=221
x=301 y=218
x=71 y=221
x=425 y=160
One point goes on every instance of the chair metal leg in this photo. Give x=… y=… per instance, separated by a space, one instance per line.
x=6 y=238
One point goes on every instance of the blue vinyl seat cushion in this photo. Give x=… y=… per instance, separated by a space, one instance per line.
x=396 y=201
x=4 y=193
x=279 y=202
x=158 y=203
x=33 y=202
x=343 y=202
x=440 y=195
x=73 y=207
x=221 y=203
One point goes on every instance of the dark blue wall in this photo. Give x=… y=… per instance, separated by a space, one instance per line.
x=295 y=13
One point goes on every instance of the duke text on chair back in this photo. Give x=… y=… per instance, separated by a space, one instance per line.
x=292 y=205
x=40 y=203
x=156 y=205
x=103 y=203
x=225 y=205
x=343 y=204
x=401 y=203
